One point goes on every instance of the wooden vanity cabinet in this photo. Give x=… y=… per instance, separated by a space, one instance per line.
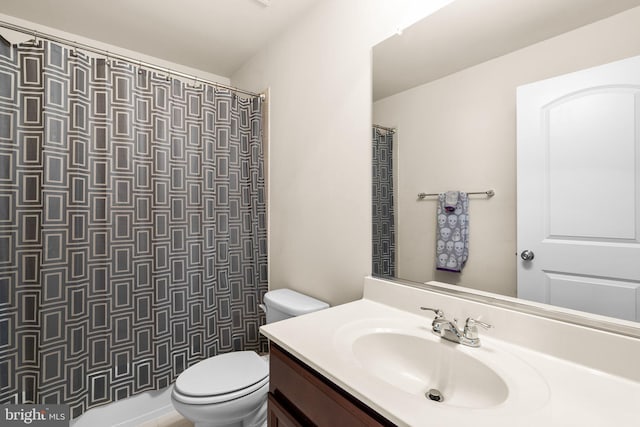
x=300 y=397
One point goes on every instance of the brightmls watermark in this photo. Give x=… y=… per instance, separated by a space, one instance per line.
x=35 y=415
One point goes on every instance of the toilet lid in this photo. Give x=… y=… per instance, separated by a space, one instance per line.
x=222 y=374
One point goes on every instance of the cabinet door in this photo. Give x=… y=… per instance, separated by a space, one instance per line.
x=279 y=416
x=307 y=398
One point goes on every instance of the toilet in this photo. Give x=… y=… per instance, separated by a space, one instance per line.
x=231 y=389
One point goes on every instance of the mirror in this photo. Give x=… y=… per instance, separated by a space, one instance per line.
x=447 y=86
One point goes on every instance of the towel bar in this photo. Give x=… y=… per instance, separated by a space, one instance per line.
x=488 y=193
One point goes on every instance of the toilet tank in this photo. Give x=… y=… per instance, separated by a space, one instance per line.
x=282 y=304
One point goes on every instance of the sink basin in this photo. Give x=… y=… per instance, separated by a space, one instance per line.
x=417 y=365
x=407 y=362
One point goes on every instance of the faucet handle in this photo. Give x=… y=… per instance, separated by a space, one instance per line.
x=471 y=322
x=439 y=313
x=470 y=330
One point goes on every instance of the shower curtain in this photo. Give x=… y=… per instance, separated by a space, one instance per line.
x=132 y=226
x=384 y=244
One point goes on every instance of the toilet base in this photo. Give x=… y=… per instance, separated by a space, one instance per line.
x=228 y=414
x=257 y=418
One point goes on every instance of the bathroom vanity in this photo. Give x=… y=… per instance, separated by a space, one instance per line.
x=299 y=396
x=376 y=361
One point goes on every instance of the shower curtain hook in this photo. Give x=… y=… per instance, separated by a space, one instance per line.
x=36 y=43
x=139 y=67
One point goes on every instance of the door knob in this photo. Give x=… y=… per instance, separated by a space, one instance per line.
x=527 y=255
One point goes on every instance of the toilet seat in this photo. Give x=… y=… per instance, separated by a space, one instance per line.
x=222 y=378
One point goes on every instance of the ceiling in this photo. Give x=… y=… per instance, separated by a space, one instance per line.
x=216 y=36
x=468 y=32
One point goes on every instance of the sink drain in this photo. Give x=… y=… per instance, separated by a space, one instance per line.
x=434 y=395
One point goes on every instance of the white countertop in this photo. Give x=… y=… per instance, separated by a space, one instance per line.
x=577 y=395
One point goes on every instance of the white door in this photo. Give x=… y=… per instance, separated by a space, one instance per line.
x=579 y=190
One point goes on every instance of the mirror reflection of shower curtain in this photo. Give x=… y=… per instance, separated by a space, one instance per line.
x=384 y=245
x=132 y=226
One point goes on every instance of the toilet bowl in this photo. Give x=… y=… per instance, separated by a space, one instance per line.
x=226 y=390
x=230 y=390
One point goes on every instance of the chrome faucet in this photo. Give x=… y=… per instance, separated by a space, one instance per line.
x=449 y=330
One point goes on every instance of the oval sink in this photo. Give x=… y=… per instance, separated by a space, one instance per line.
x=404 y=360
x=417 y=365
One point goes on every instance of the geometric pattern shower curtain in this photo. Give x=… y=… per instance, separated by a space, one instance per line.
x=384 y=241
x=132 y=226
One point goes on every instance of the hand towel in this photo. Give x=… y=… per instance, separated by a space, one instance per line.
x=452 y=239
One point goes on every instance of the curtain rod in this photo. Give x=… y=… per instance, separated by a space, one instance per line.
x=384 y=128
x=108 y=54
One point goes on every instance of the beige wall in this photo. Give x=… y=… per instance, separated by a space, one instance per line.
x=319 y=77
x=459 y=132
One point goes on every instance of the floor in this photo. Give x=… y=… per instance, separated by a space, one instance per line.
x=172 y=419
